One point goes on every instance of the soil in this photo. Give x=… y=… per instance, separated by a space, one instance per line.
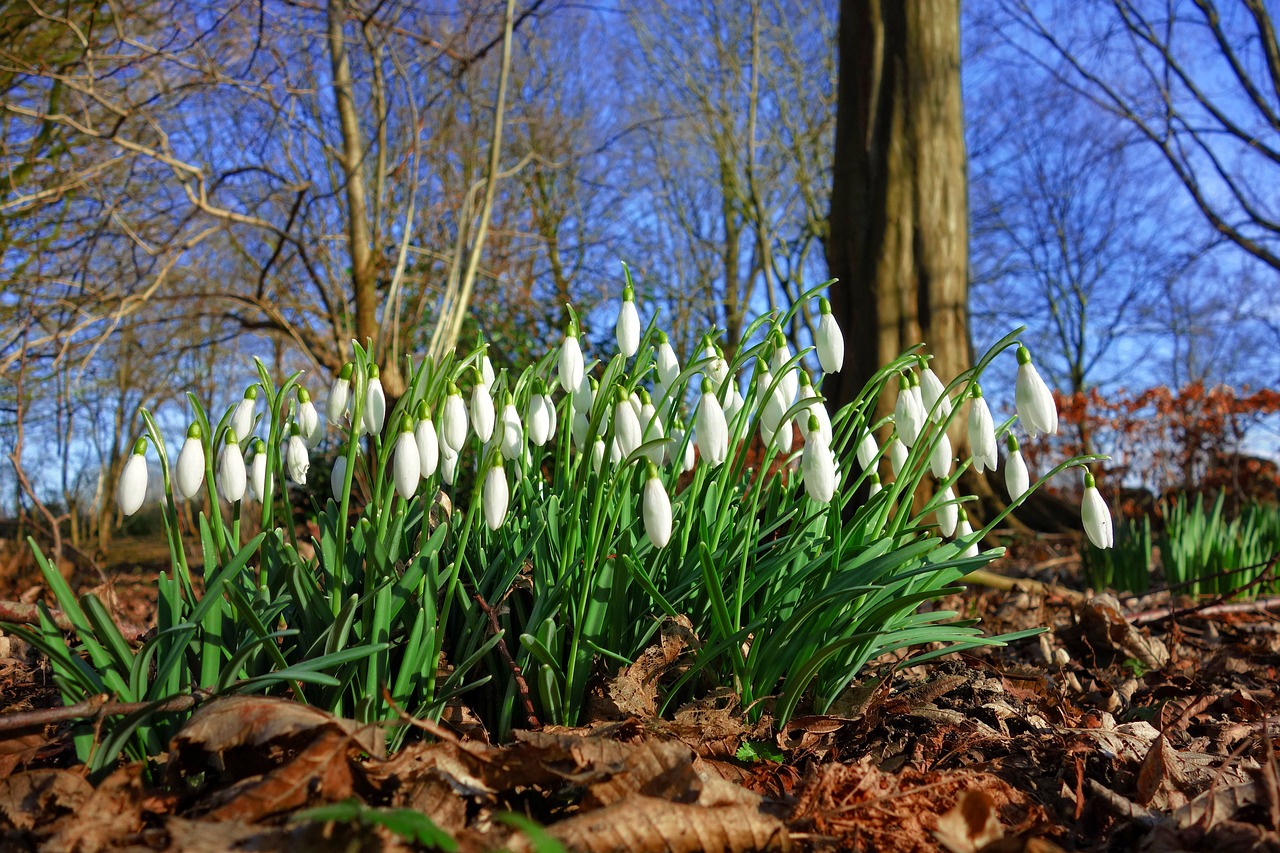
x=1132 y=724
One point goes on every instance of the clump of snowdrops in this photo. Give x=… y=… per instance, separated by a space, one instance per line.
x=505 y=539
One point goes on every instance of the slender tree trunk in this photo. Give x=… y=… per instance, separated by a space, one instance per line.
x=897 y=238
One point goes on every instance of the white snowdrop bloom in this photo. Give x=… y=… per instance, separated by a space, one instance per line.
x=818 y=466
x=627 y=330
x=550 y=406
x=816 y=408
x=665 y=360
x=339 y=395
x=597 y=454
x=375 y=404
x=963 y=531
x=651 y=428
x=453 y=422
x=242 y=418
x=656 y=508
x=579 y=428
x=636 y=404
x=868 y=450
x=626 y=425
x=690 y=457
x=947 y=514
x=733 y=402
x=789 y=381
x=711 y=429
x=309 y=419
x=258 y=471
x=337 y=477
x=512 y=431
x=763 y=401
x=940 y=458
x=296 y=461
x=496 y=497
x=1016 y=478
x=908 y=413
x=897 y=455
x=982 y=433
x=486 y=368
x=406 y=464
x=232 y=477
x=483 y=415
x=131 y=491
x=716 y=369
x=424 y=435
x=585 y=394
x=786 y=435
x=933 y=392
x=189 y=475
x=828 y=339
x=571 y=365
x=874 y=488
x=1095 y=515
x=448 y=465
x=1036 y=408
x=541 y=417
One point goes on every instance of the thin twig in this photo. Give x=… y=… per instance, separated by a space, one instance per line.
x=522 y=686
x=21 y=613
x=96 y=709
x=1206 y=610
x=430 y=727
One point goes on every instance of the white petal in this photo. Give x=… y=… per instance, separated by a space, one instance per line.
x=948 y=513
x=1036 y=408
x=819 y=469
x=897 y=455
x=571 y=364
x=668 y=364
x=339 y=396
x=982 y=436
x=1016 y=478
x=132 y=489
x=829 y=341
x=453 y=423
x=931 y=391
x=496 y=497
x=512 y=432
x=868 y=449
x=338 y=477
x=541 y=419
x=483 y=415
x=1097 y=519
x=628 y=329
x=406 y=467
x=657 y=512
x=232 y=478
x=242 y=419
x=940 y=457
x=258 y=476
x=375 y=407
x=424 y=434
x=189 y=476
x=712 y=430
x=296 y=460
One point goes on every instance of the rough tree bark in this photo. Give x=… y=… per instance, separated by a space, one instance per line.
x=898 y=238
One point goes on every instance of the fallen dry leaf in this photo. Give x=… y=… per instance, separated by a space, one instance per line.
x=971 y=825
x=113 y=810
x=38 y=797
x=319 y=773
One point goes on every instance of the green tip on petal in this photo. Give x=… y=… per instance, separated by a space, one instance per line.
x=259 y=446
x=294 y=429
x=1012 y=442
x=422 y=411
x=251 y=393
x=977 y=391
x=651 y=471
x=194 y=431
x=1024 y=355
x=373 y=370
x=346 y=371
x=1089 y=482
x=824 y=305
x=903 y=382
x=140 y=446
x=304 y=396
x=662 y=337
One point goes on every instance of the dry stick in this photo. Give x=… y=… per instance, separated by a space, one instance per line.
x=1216 y=607
x=21 y=613
x=985 y=577
x=522 y=686
x=96 y=709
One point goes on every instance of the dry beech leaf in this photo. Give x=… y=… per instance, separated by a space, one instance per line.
x=641 y=824
x=971 y=825
x=1160 y=778
x=321 y=772
x=38 y=797
x=112 y=811
x=255 y=721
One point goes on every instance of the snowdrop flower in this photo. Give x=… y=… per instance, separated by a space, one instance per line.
x=875 y=488
x=786 y=435
x=818 y=465
x=496 y=497
x=295 y=457
x=189 y=475
x=309 y=419
x=868 y=450
x=453 y=422
x=338 y=476
x=666 y=361
x=963 y=531
x=132 y=488
x=448 y=465
x=716 y=369
x=940 y=457
x=406 y=465
x=933 y=394
x=1016 y=478
x=486 y=368
x=585 y=394
x=375 y=404
x=628 y=327
x=626 y=425
x=982 y=433
x=597 y=454
x=733 y=402
x=764 y=401
x=512 y=438
x=828 y=339
x=656 y=508
x=579 y=428
x=651 y=428
x=424 y=435
x=258 y=471
x=339 y=395
x=1095 y=515
x=711 y=428
x=908 y=413
x=816 y=408
x=947 y=514
x=1036 y=408
x=789 y=383
x=541 y=415
x=897 y=455
x=571 y=364
x=242 y=418
x=232 y=478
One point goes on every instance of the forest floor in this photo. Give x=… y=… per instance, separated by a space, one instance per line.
x=1132 y=724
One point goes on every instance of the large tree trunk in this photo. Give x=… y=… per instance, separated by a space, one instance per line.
x=897 y=238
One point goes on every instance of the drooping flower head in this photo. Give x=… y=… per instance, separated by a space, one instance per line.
x=982 y=433
x=232 y=477
x=496 y=496
x=818 y=465
x=937 y=405
x=309 y=419
x=656 y=509
x=628 y=326
x=375 y=403
x=571 y=364
x=1016 y=478
x=712 y=430
x=1095 y=515
x=424 y=434
x=665 y=359
x=295 y=457
x=908 y=412
x=132 y=489
x=189 y=475
x=258 y=470
x=242 y=418
x=339 y=395
x=1036 y=408
x=406 y=463
x=453 y=423
x=511 y=442
x=828 y=339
